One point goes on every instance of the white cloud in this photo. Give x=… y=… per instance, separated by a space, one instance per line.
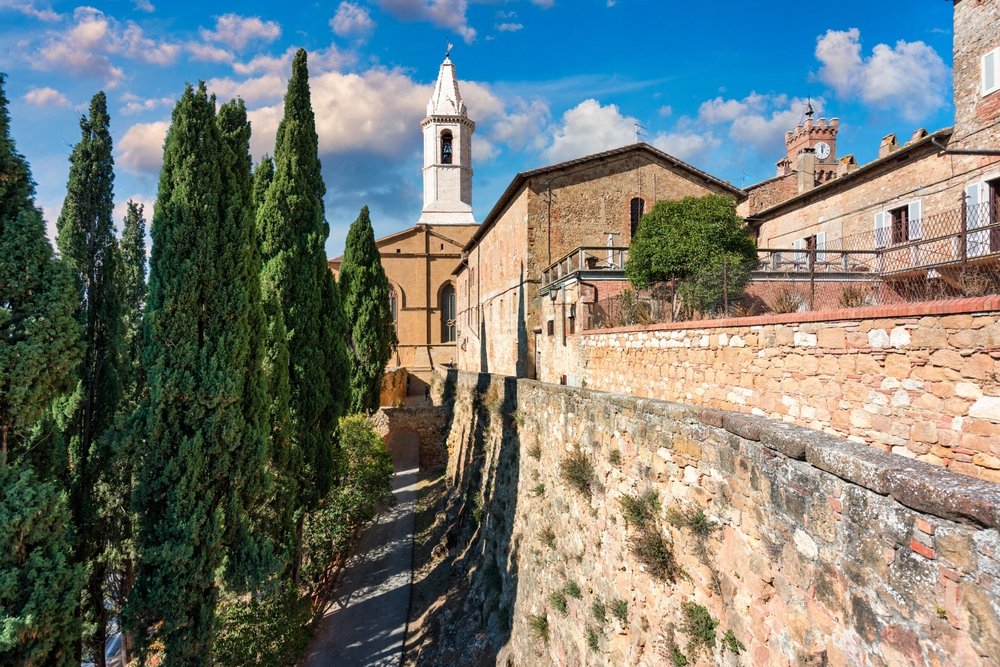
x=544 y=4
x=144 y=6
x=665 y=111
x=509 y=27
x=208 y=52
x=45 y=13
x=352 y=20
x=134 y=104
x=237 y=31
x=910 y=77
x=450 y=14
x=324 y=59
x=687 y=146
x=85 y=47
x=589 y=128
x=46 y=97
x=524 y=126
x=266 y=88
x=141 y=148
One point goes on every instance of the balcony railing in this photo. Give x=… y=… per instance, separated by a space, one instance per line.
x=592 y=261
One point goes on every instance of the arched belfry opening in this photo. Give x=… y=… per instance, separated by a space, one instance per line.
x=446 y=147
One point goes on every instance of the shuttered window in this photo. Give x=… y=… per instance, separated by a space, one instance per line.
x=991 y=72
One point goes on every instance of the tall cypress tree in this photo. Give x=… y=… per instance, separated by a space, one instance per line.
x=39 y=352
x=132 y=281
x=293 y=229
x=87 y=244
x=203 y=428
x=262 y=177
x=365 y=290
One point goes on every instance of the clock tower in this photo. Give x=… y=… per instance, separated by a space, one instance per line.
x=447 y=154
x=817 y=138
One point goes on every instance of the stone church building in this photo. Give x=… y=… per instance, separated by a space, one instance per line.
x=419 y=261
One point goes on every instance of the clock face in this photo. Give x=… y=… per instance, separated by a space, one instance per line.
x=822 y=150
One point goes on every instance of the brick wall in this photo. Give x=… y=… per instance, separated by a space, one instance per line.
x=807 y=548
x=920 y=380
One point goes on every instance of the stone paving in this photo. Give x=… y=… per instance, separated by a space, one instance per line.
x=366 y=622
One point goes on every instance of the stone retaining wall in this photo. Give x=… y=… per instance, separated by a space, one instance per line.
x=920 y=380
x=393 y=389
x=426 y=421
x=804 y=548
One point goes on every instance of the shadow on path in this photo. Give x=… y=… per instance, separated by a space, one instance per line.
x=365 y=623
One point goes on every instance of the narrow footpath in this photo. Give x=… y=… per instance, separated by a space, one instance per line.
x=366 y=623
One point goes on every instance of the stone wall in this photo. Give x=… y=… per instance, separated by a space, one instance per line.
x=427 y=421
x=800 y=547
x=393 y=390
x=920 y=380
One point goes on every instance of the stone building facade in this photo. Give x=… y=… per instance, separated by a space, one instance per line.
x=419 y=261
x=929 y=206
x=544 y=215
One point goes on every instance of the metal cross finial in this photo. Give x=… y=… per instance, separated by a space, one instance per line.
x=447 y=53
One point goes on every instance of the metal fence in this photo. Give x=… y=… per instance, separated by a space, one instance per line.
x=950 y=255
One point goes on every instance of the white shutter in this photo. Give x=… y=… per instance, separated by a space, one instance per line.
x=881 y=229
x=820 y=246
x=914 y=214
x=800 y=255
x=977 y=243
x=991 y=63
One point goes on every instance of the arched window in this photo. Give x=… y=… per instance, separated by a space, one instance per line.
x=448 y=314
x=636 y=208
x=393 y=306
x=446 y=147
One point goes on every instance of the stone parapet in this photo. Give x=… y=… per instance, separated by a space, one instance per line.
x=918 y=380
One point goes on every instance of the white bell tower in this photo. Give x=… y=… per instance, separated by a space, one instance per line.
x=447 y=154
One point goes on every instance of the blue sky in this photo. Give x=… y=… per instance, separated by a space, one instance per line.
x=716 y=84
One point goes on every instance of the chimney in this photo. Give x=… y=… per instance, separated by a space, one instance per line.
x=805 y=166
x=888 y=145
x=917 y=135
x=846 y=165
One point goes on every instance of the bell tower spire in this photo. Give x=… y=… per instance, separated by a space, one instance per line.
x=447 y=153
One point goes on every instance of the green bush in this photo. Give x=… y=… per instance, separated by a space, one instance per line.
x=651 y=549
x=699 y=626
x=578 y=472
x=558 y=601
x=539 y=624
x=269 y=629
x=731 y=643
x=599 y=611
x=573 y=590
x=640 y=508
x=619 y=608
x=593 y=641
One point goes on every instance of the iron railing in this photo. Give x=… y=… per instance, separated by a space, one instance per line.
x=590 y=259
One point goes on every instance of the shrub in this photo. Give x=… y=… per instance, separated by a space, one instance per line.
x=539 y=624
x=619 y=609
x=539 y=490
x=573 y=590
x=599 y=611
x=640 y=508
x=578 y=472
x=593 y=641
x=535 y=451
x=854 y=296
x=699 y=626
x=548 y=537
x=492 y=398
x=615 y=457
x=786 y=299
x=270 y=629
x=558 y=601
x=677 y=659
x=651 y=549
x=731 y=643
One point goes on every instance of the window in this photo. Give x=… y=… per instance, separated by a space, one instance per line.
x=982 y=209
x=550 y=328
x=636 y=208
x=446 y=152
x=448 y=314
x=991 y=72
x=393 y=305
x=898 y=225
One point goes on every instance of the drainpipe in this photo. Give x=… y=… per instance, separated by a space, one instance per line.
x=963 y=151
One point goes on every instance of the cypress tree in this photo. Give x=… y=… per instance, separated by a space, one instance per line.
x=372 y=336
x=87 y=244
x=132 y=279
x=203 y=424
x=291 y=222
x=262 y=177
x=39 y=352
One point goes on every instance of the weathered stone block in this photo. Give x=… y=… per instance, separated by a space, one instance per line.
x=851 y=461
x=940 y=492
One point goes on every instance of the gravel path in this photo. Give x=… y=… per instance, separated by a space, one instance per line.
x=366 y=622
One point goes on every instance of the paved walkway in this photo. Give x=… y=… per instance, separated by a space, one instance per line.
x=366 y=623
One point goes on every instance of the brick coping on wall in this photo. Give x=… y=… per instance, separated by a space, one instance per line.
x=979 y=304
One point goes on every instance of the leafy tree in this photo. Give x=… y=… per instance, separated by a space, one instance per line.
x=203 y=426
x=693 y=241
x=372 y=336
x=292 y=227
x=39 y=352
x=87 y=244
